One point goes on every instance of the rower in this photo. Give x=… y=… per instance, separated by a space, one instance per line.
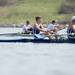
x=52 y=27
x=38 y=27
x=27 y=27
x=71 y=27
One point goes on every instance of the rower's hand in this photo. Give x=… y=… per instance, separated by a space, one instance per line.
x=52 y=32
x=46 y=31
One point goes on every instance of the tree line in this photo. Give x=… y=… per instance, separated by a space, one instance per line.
x=7 y=2
x=67 y=7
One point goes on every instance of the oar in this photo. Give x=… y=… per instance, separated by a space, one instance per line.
x=16 y=34
x=3 y=34
x=22 y=34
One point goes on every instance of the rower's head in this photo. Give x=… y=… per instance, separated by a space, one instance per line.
x=73 y=20
x=38 y=19
x=27 y=22
x=53 y=22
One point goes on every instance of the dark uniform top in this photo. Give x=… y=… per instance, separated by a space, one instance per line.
x=69 y=31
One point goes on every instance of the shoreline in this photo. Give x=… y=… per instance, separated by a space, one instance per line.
x=20 y=25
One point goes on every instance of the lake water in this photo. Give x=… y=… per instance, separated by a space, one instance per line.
x=36 y=59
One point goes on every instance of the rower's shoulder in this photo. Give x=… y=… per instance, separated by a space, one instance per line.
x=35 y=24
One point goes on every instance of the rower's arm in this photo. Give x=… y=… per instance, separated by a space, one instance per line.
x=74 y=28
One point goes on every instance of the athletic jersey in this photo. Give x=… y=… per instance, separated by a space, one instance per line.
x=50 y=27
x=26 y=28
x=70 y=30
x=35 y=28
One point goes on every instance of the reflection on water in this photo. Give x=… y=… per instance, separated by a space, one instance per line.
x=37 y=59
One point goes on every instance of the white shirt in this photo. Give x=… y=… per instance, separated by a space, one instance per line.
x=26 y=27
x=50 y=27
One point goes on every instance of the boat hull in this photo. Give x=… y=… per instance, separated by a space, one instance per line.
x=39 y=40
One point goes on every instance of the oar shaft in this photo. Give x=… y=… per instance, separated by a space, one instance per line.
x=21 y=34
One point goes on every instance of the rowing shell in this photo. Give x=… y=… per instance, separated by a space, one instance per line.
x=24 y=38
x=38 y=41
